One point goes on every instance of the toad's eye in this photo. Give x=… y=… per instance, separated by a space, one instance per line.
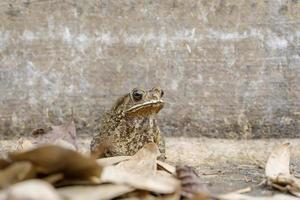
x=162 y=93
x=137 y=95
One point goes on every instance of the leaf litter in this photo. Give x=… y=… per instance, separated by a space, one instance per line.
x=63 y=135
x=60 y=172
x=83 y=177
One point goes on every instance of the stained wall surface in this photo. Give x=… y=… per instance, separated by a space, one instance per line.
x=229 y=68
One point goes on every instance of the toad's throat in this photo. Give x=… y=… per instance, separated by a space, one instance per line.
x=146 y=108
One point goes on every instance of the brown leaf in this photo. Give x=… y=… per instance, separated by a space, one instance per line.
x=16 y=172
x=4 y=163
x=278 y=162
x=52 y=159
x=99 y=192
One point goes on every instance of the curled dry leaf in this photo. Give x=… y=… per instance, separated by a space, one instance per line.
x=117 y=159
x=140 y=172
x=52 y=159
x=112 y=160
x=16 y=172
x=278 y=162
x=99 y=192
x=66 y=132
x=143 y=162
x=63 y=135
x=278 y=172
x=32 y=190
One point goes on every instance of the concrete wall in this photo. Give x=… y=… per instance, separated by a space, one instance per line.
x=229 y=68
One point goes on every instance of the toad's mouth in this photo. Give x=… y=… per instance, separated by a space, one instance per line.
x=146 y=108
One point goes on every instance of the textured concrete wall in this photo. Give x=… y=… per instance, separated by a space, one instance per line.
x=229 y=68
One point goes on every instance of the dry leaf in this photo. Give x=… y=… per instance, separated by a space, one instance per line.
x=54 y=178
x=164 y=173
x=31 y=190
x=278 y=162
x=296 y=193
x=167 y=167
x=16 y=172
x=112 y=160
x=174 y=196
x=99 y=192
x=278 y=172
x=138 y=195
x=65 y=144
x=74 y=182
x=65 y=132
x=4 y=163
x=155 y=183
x=143 y=162
x=140 y=172
x=52 y=159
x=286 y=184
x=117 y=159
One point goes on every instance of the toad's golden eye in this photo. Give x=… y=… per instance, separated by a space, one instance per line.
x=137 y=94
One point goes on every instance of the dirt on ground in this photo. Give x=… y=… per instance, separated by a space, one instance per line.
x=224 y=165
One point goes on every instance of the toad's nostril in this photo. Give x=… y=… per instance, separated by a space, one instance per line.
x=137 y=95
x=162 y=93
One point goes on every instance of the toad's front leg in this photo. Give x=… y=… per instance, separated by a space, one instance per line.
x=160 y=141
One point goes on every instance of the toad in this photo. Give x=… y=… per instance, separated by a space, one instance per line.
x=130 y=124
